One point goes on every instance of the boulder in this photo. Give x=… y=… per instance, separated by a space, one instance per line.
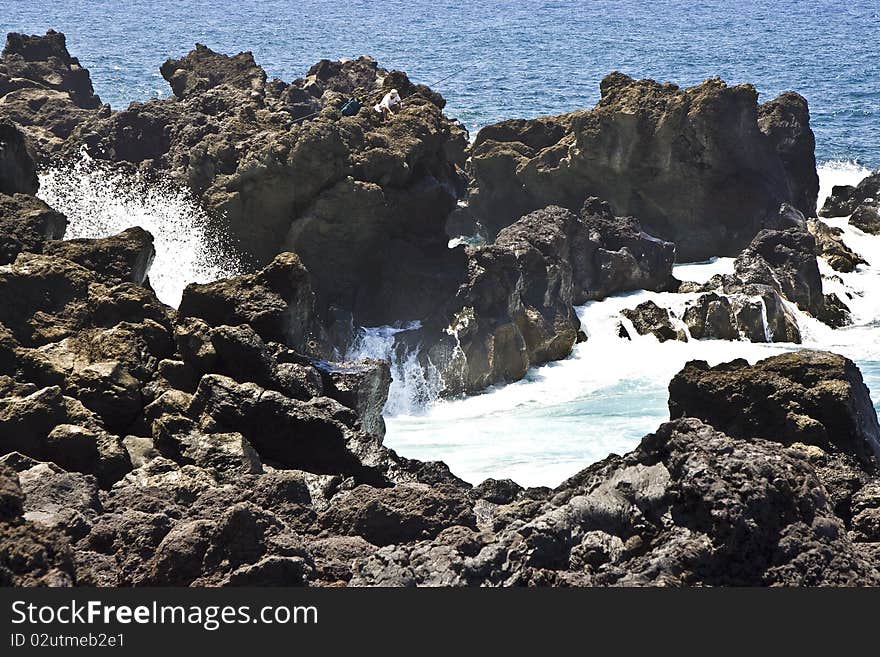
x=400 y=514
x=712 y=317
x=317 y=436
x=277 y=302
x=52 y=298
x=48 y=426
x=362 y=387
x=26 y=224
x=648 y=317
x=702 y=167
x=866 y=218
x=226 y=455
x=830 y=246
x=734 y=311
x=18 y=174
x=812 y=397
x=786 y=261
x=613 y=254
x=30 y=554
x=845 y=199
x=514 y=309
x=123 y=257
x=103 y=386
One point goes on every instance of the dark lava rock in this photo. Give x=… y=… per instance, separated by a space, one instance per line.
x=277 y=302
x=813 y=397
x=26 y=224
x=648 y=317
x=830 y=246
x=845 y=199
x=18 y=174
x=786 y=261
x=403 y=513
x=675 y=158
x=30 y=554
x=124 y=257
x=44 y=90
x=866 y=217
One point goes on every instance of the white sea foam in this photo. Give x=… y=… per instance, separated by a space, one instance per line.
x=100 y=201
x=839 y=172
x=414 y=385
x=701 y=272
x=610 y=391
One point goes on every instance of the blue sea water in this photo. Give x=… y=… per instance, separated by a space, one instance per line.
x=524 y=58
x=504 y=59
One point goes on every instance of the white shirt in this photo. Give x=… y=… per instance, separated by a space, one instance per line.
x=389 y=100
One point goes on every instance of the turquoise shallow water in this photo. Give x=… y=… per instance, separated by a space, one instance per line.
x=525 y=58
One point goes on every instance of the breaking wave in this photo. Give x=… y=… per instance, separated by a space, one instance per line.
x=611 y=391
x=100 y=200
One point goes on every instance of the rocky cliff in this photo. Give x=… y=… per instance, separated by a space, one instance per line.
x=706 y=167
x=140 y=445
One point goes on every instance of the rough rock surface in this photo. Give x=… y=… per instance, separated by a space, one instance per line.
x=515 y=308
x=44 y=90
x=845 y=199
x=704 y=167
x=812 y=397
x=830 y=246
x=123 y=257
x=277 y=302
x=17 y=171
x=140 y=445
x=648 y=317
x=281 y=169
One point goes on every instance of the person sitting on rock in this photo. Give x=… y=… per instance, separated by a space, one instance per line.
x=389 y=104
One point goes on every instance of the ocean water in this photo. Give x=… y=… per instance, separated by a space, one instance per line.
x=506 y=59
x=521 y=58
x=611 y=391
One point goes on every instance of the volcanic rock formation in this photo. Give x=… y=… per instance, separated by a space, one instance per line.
x=704 y=167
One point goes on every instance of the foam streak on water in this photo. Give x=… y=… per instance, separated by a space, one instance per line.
x=100 y=201
x=611 y=391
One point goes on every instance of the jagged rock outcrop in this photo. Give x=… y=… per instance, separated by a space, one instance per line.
x=860 y=202
x=811 y=397
x=786 y=122
x=831 y=246
x=613 y=254
x=866 y=217
x=44 y=90
x=786 y=261
x=702 y=167
x=124 y=257
x=845 y=199
x=514 y=309
x=755 y=313
x=648 y=317
x=17 y=171
x=26 y=222
x=280 y=169
x=277 y=302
